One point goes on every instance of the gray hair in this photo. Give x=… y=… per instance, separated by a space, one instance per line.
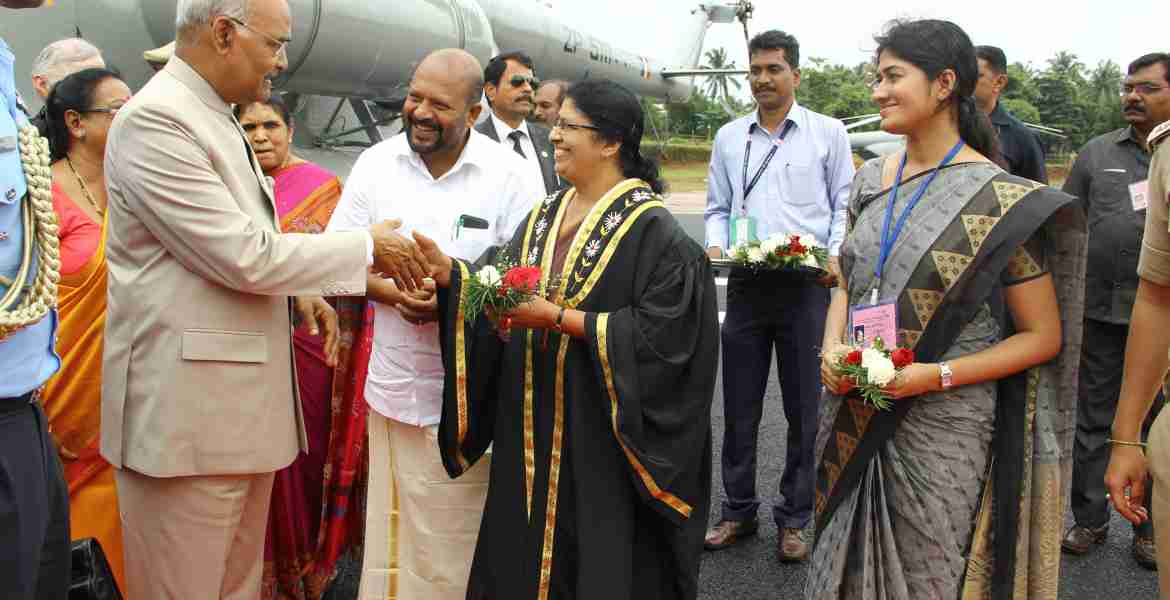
x=191 y=13
x=61 y=59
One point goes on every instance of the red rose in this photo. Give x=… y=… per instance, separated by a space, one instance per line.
x=795 y=248
x=901 y=357
x=853 y=358
x=525 y=279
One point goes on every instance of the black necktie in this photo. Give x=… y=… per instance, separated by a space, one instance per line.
x=515 y=137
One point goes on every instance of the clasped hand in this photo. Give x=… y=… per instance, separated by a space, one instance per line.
x=403 y=261
x=537 y=313
x=913 y=380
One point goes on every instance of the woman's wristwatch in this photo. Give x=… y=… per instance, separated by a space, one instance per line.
x=945 y=376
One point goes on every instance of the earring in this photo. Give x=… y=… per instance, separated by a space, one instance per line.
x=81 y=134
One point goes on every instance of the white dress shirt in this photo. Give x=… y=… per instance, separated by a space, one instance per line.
x=504 y=130
x=390 y=181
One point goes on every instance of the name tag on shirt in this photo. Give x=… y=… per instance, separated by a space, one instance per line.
x=7 y=144
x=868 y=323
x=1139 y=194
x=743 y=230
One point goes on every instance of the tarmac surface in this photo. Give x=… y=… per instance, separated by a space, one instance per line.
x=751 y=571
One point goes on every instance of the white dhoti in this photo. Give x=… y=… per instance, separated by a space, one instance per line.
x=421 y=525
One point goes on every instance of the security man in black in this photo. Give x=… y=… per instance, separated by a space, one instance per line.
x=1019 y=146
x=1109 y=177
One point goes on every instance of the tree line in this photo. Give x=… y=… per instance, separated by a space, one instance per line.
x=1064 y=94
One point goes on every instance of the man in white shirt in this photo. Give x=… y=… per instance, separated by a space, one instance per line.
x=510 y=87
x=444 y=180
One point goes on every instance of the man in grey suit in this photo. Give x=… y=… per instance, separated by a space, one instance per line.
x=199 y=405
x=510 y=86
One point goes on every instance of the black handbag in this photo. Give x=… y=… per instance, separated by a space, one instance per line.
x=91 y=578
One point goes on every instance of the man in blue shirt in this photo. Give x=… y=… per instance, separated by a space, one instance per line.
x=34 y=500
x=801 y=166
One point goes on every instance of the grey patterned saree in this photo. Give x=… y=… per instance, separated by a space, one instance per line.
x=955 y=494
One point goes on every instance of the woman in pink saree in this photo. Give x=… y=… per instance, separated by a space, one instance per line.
x=315 y=515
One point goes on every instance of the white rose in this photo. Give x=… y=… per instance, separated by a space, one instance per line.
x=488 y=276
x=770 y=245
x=755 y=255
x=809 y=240
x=879 y=370
x=811 y=261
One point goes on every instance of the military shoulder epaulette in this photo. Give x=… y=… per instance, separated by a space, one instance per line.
x=1160 y=134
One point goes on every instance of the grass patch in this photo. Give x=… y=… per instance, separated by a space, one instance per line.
x=685 y=177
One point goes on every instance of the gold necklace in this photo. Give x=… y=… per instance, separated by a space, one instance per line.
x=101 y=213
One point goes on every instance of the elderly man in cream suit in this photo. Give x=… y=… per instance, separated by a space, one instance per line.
x=199 y=406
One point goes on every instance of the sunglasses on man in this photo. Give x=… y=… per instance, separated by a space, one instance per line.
x=519 y=80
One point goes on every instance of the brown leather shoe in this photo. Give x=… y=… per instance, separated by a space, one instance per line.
x=728 y=533
x=793 y=548
x=1080 y=539
x=1143 y=552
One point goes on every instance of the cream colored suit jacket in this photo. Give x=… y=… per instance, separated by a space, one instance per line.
x=198 y=374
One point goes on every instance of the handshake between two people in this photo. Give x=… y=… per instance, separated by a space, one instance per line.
x=415 y=265
x=409 y=262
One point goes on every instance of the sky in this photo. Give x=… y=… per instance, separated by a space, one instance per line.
x=842 y=31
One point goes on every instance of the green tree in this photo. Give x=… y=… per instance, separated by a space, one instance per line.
x=1060 y=88
x=1101 y=103
x=835 y=90
x=720 y=85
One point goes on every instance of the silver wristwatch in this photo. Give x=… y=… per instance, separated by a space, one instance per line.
x=945 y=375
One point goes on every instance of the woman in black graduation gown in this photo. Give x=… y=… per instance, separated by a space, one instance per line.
x=597 y=409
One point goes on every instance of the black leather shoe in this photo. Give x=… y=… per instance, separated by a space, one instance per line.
x=1143 y=552
x=727 y=533
x=1080 y=540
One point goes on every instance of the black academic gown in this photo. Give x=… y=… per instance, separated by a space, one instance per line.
x=601 y=447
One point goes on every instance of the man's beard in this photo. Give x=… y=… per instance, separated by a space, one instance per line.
x=432 y=147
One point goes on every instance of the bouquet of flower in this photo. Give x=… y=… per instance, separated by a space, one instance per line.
x=500 y=288
x=873 y=368
x=782 y=251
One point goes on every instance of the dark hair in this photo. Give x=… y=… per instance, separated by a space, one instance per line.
x=276 y=101
x=934 y=46
x=561 y=85
x=617 y=114
x=498 y=64
x=1150 y=60
x=775 y=39
x=995 y=58
x=74 y=92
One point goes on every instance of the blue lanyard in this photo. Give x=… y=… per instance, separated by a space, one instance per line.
x=888 y=239
x=747 y=156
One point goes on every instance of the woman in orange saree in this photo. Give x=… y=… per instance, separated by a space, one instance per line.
x=80 y=110
x=314 y=517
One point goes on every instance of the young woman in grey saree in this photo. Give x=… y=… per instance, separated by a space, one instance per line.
x=958 y=491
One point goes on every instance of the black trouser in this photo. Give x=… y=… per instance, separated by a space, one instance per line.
x=789 y=314
x=34 y=507
x=1102 y=363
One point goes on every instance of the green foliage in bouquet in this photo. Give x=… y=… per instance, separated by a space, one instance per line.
x=782 y=252
x=500 y=287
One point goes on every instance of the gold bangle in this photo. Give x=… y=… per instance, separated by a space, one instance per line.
x=1125 y=443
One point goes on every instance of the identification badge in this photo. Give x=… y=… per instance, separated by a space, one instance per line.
x=743 y=230
x=869 y=322
x=1139 y=194
x=7 y=144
